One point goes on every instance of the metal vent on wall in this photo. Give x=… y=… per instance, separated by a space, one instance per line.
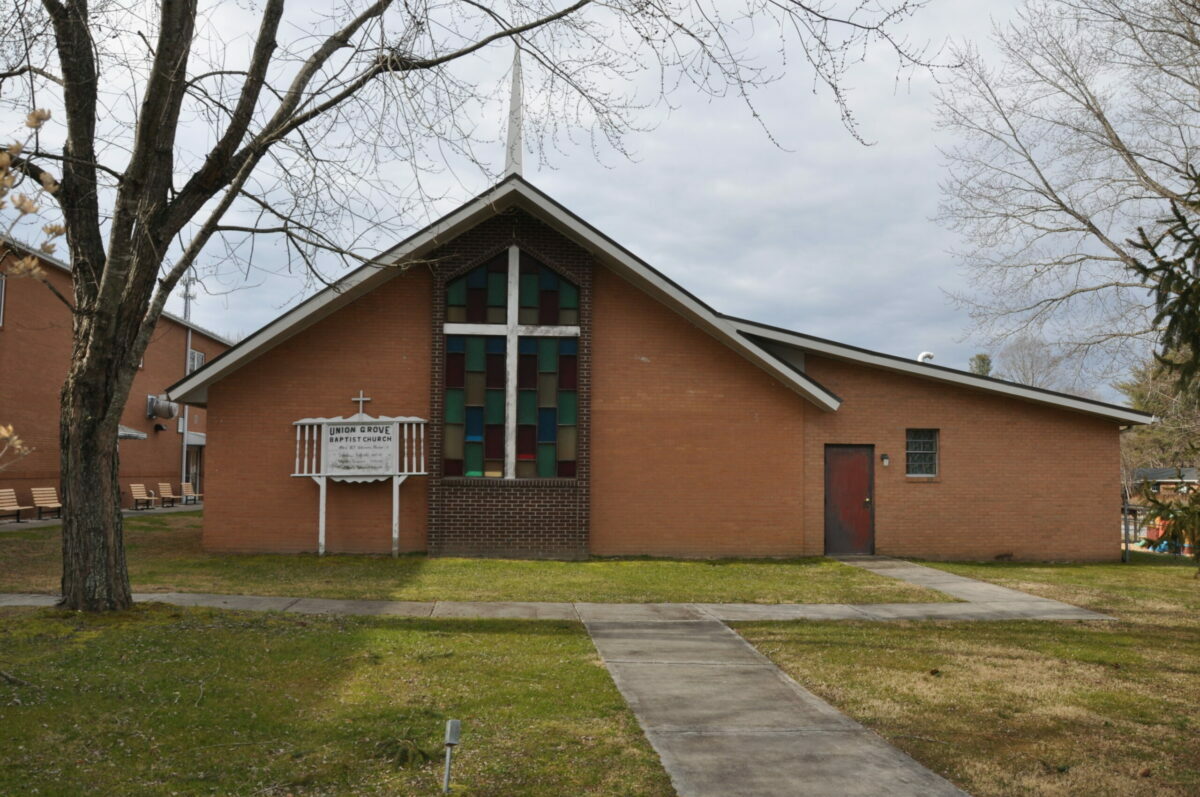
x=159 y=407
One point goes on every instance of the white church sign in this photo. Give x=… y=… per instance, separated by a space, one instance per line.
x=360 y=448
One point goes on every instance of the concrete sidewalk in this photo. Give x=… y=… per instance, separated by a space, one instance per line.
x=726 y=721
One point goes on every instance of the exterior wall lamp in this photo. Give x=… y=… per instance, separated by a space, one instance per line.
x=885 y=459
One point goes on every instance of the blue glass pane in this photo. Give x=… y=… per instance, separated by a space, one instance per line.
x=547 y=280
x=527 y=346
x=495 y=345
x=478 y=278
x=568 y=346
x=547 y=424
x=456 y=344
x=474 y=424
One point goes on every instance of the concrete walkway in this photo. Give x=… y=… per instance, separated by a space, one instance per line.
x=724 y=720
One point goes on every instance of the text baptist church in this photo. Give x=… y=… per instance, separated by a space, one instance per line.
x=541 y=391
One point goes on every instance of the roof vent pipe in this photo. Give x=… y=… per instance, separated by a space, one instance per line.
x=924 y=356
x=159 y=407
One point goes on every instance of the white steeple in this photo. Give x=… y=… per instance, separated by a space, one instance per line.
x=512 y=160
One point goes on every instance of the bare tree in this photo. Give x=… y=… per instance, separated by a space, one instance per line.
x=1031 y=361
x=1082 y=131
x=194 y=133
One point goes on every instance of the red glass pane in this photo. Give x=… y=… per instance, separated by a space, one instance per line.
x=527 y=372
x=456 y=370
x=526 y=442
x=495 y=370
x=548 y=308
x=452 y=467
x=477 y=306
x=498 y=263
x=568 y=372
x=493 y=442
x=566 y=469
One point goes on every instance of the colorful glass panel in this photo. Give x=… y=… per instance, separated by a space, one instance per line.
x=545 y=297
x=473 y=441
x=481 y=295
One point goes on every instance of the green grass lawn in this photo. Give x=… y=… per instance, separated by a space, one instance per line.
x=164 y=555
x=1015 y=708
x=162 y=700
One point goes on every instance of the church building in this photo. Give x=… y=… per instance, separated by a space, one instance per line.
x=528 y=387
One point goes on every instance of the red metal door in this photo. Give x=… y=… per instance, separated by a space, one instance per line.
x=849 y=499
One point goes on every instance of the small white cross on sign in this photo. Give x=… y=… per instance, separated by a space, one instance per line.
x=361 y=399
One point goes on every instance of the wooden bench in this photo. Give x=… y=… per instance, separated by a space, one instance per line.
x=46 y=500
x=165 y=494
x=141 y=499
x=190 y=496
x=9 y=505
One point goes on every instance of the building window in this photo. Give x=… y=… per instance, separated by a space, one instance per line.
x=921 y=452
x=195 y=360
x=511 y=378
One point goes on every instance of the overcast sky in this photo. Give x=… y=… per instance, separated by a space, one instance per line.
x=822 y=235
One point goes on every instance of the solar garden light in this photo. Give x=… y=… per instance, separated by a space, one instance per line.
x=453 y=732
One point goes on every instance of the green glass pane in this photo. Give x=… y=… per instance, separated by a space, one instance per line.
x=547 y=462
x=568 y=295
x=568 y=407
x=529 y=290
x=494 y=407
x=473 y=466
x=497 y=289
x=527 y=407
x=476 y=353
x=456 y=293
x=455 y=401
x=547 y=355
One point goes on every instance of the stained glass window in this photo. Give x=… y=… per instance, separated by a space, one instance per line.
x=539 y=439
x=547 y=407
x=473 y=444
x=544 y=297
x=481 y=295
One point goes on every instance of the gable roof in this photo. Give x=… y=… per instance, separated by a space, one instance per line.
x=743 y=336
x=1166 y=474
x=761 y=333
x=512 y=192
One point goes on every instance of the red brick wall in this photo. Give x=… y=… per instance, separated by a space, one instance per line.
x=1015 y=478
x=379 y=344
x=696 y=451
x=35 y=352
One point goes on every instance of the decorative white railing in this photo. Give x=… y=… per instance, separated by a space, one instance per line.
x=384 y=447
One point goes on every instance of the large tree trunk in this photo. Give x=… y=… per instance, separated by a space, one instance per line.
x=94 y=576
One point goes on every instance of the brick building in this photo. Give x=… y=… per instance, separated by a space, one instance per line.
x=579 y=402
x=35 y=352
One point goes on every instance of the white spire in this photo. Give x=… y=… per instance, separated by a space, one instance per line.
x=512 y=160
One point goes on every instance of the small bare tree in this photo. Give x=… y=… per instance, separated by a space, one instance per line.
x=1031 y=361
x=1082 y=131
x=194 y=133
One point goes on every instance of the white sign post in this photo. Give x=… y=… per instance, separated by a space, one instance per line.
x=360 y=449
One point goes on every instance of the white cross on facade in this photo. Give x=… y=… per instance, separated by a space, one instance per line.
x=512 y=330
x=361 y=399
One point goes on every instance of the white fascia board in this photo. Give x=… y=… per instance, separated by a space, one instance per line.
x=924 y=371
x=689 y=305
x=194 y=388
